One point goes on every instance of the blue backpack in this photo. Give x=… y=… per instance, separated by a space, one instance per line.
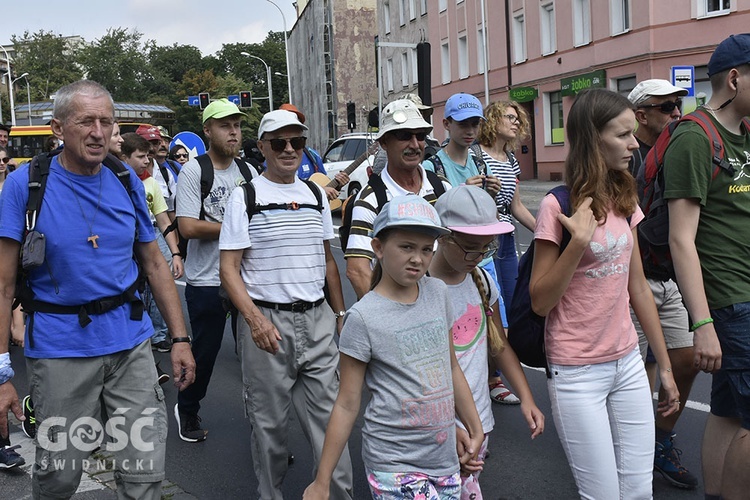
x=525 y=327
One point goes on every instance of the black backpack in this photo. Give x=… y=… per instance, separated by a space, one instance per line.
x=254 y=208
x=377 y=186
x=207 y=176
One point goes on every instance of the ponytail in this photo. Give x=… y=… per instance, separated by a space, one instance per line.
x=496 y=343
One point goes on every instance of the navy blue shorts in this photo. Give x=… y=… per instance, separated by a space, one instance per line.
x=730 y=390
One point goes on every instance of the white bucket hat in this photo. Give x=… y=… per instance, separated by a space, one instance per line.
x=402 y=114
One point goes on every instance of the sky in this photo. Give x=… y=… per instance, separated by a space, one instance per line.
x=204 y=24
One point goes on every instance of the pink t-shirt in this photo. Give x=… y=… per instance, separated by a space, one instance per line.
x=591 y=323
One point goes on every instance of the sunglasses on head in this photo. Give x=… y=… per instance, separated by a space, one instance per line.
x=279 y=145
x=406 y=135
x=665 y=107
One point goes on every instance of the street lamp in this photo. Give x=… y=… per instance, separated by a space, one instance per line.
x=286 y=51
x=279 y=73
x=268 y=79
x=10 y=88
x=28 y=92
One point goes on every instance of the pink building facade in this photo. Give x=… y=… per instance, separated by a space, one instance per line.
x=543 y=52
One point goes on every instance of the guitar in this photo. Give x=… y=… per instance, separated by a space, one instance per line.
x=323 y=180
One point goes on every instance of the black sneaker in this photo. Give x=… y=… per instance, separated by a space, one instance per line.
x=162 y=376
x=189 y=426
x=9 y=458
x=162 y=346
x=667 y=463
x=28 y=425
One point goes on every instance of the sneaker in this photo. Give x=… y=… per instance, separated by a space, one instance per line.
x=28 y=425
x=162 y=346
x=501 y=394
x=667 y=463
x=162 y=376
x=9 y=458
x=189 y=426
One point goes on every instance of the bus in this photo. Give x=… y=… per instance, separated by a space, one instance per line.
x=27 y=141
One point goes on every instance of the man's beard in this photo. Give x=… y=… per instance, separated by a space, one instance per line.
x=226 y=150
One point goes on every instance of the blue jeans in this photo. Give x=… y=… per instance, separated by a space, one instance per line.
x=506 y=264
x=730 y=391
x=207 y=321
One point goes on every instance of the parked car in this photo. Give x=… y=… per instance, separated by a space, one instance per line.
x=342 y=153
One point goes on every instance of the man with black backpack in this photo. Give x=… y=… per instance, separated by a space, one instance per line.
x=709 y=221
x=402 y=136
x=202 y=194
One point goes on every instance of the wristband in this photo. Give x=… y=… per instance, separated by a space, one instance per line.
x=6 y=371
x=177 y=254
x=340 y=314
x=177 y=340
x=701 y=323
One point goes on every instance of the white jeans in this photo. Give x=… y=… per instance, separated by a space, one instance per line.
x=605 y=419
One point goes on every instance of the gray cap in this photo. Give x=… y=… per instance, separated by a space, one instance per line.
x=410 y=212
x=470 y=210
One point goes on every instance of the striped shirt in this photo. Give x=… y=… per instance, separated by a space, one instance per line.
x=508 y=173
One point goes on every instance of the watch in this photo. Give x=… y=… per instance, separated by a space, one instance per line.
x=340 y=314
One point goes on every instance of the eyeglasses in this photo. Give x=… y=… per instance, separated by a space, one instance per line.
x=279 y=145
x=406 y=135
x=666 y=107
x=5 y=160
x=472 y=255
x=513 y=119
x=181 y=155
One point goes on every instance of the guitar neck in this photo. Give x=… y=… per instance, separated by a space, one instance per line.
x=353 y=165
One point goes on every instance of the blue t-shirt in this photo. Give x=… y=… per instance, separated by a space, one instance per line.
x=455 y=173
x=74 y=272
x=306 y=168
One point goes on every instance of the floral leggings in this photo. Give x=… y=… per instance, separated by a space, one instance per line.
x=413 y=485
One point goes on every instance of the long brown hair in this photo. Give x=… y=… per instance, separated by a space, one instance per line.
x=586 y=173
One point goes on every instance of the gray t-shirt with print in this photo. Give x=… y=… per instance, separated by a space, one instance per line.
x=409 y=420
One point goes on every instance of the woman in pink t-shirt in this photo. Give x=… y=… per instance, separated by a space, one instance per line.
x=601 y=402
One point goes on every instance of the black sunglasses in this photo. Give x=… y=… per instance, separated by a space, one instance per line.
x=406 y=135
x=279 y=145
x=181 y=155
x=666 y=107
x=5 y=160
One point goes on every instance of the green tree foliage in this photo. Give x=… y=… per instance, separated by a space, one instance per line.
x=49 y=59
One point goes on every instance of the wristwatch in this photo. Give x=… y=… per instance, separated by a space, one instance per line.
x=340 y=314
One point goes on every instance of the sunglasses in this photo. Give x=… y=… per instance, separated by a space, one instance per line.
x=279 y=145
x=666 y=107
x=406 y=135
x=181 y=155
x=5 y=160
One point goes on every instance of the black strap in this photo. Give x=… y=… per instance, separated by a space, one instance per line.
x=381 y=198
x=253 y=208
x=207 y=177
x=299 y=306
x=165 y=175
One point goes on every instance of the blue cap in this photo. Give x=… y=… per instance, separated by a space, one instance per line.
x=410 y=212
x=462 y=106
x=731 y=53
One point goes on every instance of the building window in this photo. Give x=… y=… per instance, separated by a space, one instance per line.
x=463 y=57
x=423 y=4
x=414 y=72
x=625 y=85
x=554 y=132
x=387 y=16
x=709 y=8
x=619 y=16
x=445 y=63
x=549 y=38
x=412 y=9
x=402 y=12
x=581 y=22
x=442 y=5
x=480 y=51
x=405 y=69
x=389 y=75
x=519 y=39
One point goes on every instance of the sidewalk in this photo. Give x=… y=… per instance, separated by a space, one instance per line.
x=532 y=191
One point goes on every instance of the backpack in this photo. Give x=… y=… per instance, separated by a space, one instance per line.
x=33 y=252
x=254 y=208
x=315 y=160
x=653 y=231
x=207 y=176
x=525 y=327
x=377 y=186
x=476 y=149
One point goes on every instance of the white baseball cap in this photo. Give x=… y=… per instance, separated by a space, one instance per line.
x=278 y=119
x=654 y=87
x=402 y=114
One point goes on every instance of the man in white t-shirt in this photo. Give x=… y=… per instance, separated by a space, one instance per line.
x=273 y=265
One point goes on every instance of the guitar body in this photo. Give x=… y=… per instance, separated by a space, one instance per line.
x=323 y=180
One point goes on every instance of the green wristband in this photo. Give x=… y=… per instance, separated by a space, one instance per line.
x=701 y=323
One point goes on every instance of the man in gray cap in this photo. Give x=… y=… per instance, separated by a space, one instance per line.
x=275 y=259
x=657 y=104
x=709 y=219
x=402 y=136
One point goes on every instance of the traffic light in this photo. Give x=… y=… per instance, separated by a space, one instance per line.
x=373 y=118
x=204 y=99
x=424 y=80
x=351 y=115
x=246 y=99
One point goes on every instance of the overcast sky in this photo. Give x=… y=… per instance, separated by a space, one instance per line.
x=204 y=24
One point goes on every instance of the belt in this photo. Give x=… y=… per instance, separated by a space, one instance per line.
x=299 y=307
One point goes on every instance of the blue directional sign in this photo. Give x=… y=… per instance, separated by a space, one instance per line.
x=194 y=100
x=192 y=142
x=235 y=98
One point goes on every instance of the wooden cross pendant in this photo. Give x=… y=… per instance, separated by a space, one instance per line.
x=93 y=239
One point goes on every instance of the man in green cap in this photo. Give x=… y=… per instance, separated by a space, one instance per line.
x=199 y=217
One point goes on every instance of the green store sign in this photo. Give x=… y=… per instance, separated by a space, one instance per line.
x=575 y=84
x=523 y=94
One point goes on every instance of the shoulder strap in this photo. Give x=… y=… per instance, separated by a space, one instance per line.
x=207 y=179
x=437 y=183
x=438 y=164
x=244 y=167
x=285 y=206
x=165 y=175
x=38 y=173
x=562 y=194
x=249 y=191
x=478 y=160
x=316 y=191
x=381 y=198
x=718 y=158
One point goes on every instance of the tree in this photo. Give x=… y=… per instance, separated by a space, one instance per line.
x=49 y=59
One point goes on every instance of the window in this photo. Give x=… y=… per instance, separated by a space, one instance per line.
x=519 y=39
x=387 y=16
x=480 y=51
x=412 y=9
x=708 y=8
x=625 y=85
x=414 y=72
x=405 y=69
x=549 y=38
x=402 y=12
x=445 y=63
x=554 y=133
x=442 y=5
x=581 y=22
x=463 y=57
x=389 y=75
x=423 y=5
x=619 y=17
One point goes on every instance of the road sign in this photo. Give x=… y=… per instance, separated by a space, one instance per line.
x=192 y=142
x=194 y=100
x=684 y=77
x=235 y=98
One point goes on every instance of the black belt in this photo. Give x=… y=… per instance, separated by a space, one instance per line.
x=300 y=306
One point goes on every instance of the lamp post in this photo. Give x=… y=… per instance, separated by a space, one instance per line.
x=286 y=51
x=10 y=88
x=268 y=79
x=28 y=92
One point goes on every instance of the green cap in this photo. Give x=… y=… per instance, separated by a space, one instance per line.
x=221 y=108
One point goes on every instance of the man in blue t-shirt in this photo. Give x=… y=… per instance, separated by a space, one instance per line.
x=87 y=346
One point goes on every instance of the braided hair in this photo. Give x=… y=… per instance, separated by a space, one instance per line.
x=496 y=343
